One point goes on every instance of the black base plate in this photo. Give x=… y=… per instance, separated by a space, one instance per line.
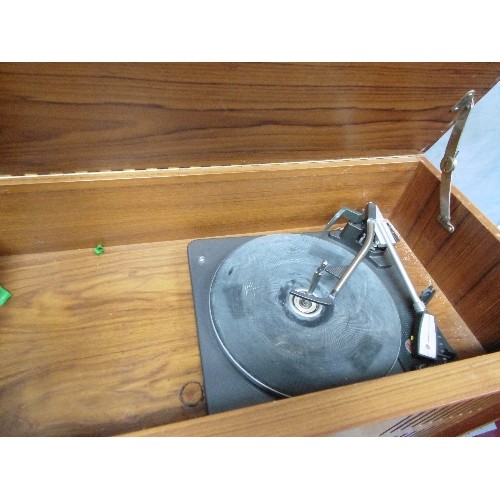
x=226 y=388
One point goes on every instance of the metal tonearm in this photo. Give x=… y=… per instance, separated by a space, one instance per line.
x=380 y=236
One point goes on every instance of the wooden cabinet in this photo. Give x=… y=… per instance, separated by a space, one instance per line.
x=145 y=158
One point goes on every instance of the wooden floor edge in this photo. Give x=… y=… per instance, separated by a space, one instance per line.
x=338 y=409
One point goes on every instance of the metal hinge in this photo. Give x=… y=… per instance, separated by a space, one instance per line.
x=449 y=161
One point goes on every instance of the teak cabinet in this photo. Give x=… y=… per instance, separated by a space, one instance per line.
x=145 y=158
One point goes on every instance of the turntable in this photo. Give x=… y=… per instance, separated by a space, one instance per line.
x=288 y=314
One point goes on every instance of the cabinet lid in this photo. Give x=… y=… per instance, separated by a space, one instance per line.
x=74 y=117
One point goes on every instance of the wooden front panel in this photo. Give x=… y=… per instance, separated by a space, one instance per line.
x=450 y=420
x=351 y=407
x=87 y=117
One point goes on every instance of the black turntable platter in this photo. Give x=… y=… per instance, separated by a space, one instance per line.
x=285 y=349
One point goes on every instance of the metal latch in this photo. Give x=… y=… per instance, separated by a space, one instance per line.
x=449 y=161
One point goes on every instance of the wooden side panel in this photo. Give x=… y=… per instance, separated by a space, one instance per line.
x=480 y=308
x=47 y=213
x=84 y=117
x=466 y=263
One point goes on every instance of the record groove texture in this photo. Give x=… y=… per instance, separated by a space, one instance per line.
x=356 y=339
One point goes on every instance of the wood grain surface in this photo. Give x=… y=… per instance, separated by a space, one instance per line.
x=47 y=213
x=335 y=410
x=96 y=345
x=465 y=263
x=66 y=117
x=102 y=345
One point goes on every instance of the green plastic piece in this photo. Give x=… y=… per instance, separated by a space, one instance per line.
x=5 y=295
x=99 y=249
